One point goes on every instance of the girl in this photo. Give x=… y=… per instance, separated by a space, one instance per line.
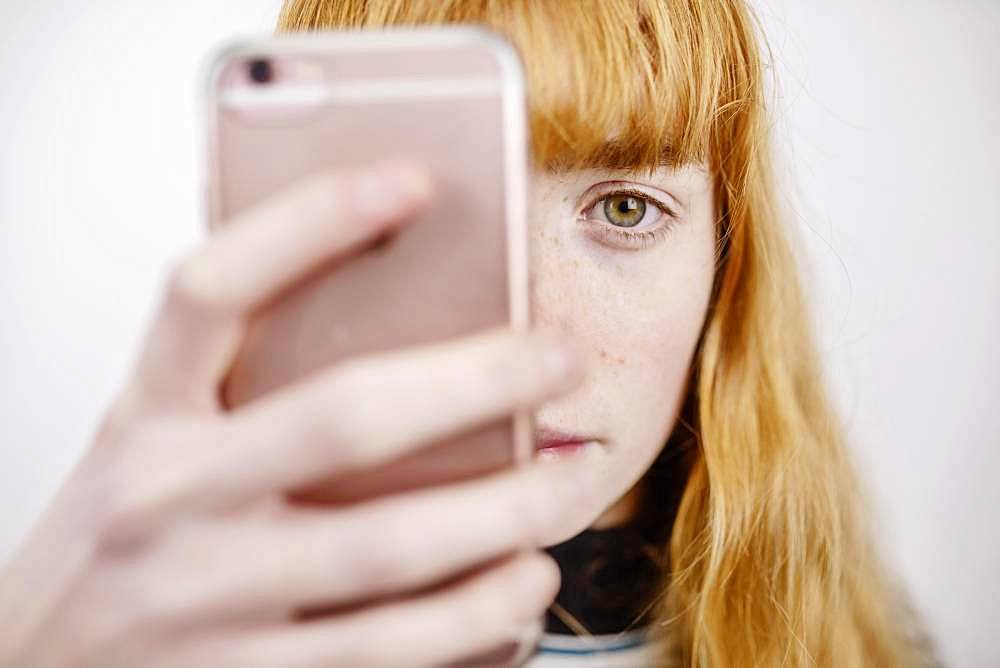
x=744 y=542
x=708 y=514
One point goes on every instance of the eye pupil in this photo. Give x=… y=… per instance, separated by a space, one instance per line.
x=624 y=210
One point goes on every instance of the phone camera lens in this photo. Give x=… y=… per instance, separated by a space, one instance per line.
x=261 y=71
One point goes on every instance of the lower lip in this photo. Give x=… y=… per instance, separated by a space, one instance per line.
x=564 y=449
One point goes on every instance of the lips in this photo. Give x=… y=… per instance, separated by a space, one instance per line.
x=547 y=439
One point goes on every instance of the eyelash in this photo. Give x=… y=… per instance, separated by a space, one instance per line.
x=623 y=237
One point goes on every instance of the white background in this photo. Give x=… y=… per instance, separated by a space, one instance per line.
x=890 y=110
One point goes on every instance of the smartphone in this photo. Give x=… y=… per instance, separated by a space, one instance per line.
x=283 y=107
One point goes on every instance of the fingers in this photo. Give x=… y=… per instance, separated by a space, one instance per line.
x=309 y=559
x=255 y=256
x=471 y=616
x=367 y=411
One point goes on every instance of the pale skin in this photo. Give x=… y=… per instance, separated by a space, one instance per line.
x=153 y=553
x=636 y=309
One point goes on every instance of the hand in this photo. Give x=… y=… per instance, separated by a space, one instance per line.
x=172 y=543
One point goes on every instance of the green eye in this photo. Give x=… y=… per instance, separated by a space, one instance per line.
x=624 y=210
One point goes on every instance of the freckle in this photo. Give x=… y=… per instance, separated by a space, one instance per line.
x=621 y=361
x=604 y=353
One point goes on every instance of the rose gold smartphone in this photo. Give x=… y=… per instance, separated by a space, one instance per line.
x=281 y=108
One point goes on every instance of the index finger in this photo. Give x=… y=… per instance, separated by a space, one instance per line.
x=212 y=293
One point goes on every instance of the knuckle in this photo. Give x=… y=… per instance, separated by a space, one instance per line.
x=121 y=505
x=124 y=529
x=385 y=554
x=145 y=607
x=374 y=572
x=191 y=285
x=122 y=606
x=347 y=425
x=115 y=427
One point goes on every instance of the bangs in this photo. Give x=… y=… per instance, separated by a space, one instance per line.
x=621 y=84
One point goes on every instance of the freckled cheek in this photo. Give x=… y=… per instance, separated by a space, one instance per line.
x=637 y=322
x=644 y=343
x=641 y=322
x=654 y=369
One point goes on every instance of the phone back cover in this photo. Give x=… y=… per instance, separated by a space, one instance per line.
x=443 y=276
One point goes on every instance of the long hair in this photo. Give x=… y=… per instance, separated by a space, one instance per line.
x=770 y=559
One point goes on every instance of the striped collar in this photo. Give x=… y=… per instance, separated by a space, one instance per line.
x=558 y=643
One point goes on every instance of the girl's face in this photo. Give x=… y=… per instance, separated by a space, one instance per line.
x=624 y=264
